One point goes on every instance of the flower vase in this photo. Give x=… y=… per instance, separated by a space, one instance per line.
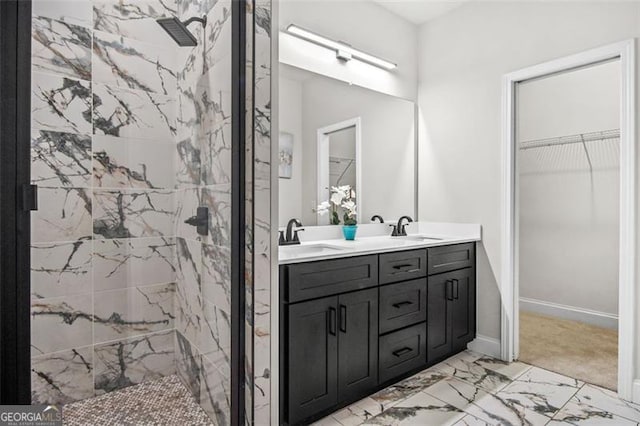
x=349 y=232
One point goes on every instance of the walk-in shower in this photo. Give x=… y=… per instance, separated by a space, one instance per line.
x=124 y=135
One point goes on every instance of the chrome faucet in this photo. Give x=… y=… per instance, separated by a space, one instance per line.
x=399 y=229
x=291 y=237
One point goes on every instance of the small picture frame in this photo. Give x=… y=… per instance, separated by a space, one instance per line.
x=285 y=151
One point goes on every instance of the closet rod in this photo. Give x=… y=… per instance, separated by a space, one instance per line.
x=340 y=159
x=572 y=139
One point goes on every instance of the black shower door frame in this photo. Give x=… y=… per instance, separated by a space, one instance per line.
x=15 y=117
x=15 y=113
x=238 y=207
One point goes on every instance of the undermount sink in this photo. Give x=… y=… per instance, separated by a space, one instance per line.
x=377 y=242
x=308 y=249
x=424 y=238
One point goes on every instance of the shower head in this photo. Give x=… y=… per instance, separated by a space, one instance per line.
x=178 y=30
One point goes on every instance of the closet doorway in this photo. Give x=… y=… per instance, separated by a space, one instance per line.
x=621 y=54
x=568 y=204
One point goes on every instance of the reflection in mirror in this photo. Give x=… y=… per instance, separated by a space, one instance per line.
x=336 y=134
x=342 y=158
x=339 y=165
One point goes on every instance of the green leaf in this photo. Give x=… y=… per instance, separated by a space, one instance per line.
x=349 y=221
x=335 y=219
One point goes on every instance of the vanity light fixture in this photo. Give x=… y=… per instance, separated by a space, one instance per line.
x=344 y=52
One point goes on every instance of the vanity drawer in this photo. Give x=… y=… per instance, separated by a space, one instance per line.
x=402 y=351
x=402 y=304
x=450 y=258
x=402 y=266
x=327 y=277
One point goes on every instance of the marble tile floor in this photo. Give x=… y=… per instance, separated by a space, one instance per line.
x=473 y=389
x=160 y=402
x=468 y=389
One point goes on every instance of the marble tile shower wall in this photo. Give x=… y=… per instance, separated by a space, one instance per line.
x=262 y=235
x=129 y=135
x=203 y=178
x=103 y=245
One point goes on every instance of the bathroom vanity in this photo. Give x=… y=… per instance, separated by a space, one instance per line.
x=355 y=318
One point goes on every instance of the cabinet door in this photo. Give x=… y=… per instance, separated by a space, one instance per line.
x=357 y=343
x=313 y=357
x=439 y=289
x=463 y=308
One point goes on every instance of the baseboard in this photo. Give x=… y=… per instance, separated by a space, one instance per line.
x=485 y=345
x=636 y=392
x=587 y=316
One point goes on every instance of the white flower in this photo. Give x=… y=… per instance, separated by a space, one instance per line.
x=350 y=206
x=336 y=198
x=339 y=190
x=345 y=189
x=323 y=208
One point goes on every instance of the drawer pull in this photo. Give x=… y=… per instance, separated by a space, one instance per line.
x=449 y=289
x=402 y=351
x=456 y=289
x=332 y=321
x=401 y=304
x=403 y=268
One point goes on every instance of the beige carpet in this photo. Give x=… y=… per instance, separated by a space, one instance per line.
x=578 y=350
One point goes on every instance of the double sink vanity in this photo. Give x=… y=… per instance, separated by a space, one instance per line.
x=357 y=316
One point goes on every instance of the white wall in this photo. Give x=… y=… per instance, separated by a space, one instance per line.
x=462 y=58
x=388 y=146
x=569 y=216
x=290 y=190
x=365 y=26
x=580 y=101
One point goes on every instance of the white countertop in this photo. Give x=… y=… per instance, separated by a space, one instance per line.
x=334 y=248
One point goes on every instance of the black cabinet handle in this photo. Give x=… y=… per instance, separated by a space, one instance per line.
x=403 y=268
x=404 y=265
x=449 y=290
x=456 y=289
x=332 y=321
x=402 y=351
x=343 y=318
x=401 y=304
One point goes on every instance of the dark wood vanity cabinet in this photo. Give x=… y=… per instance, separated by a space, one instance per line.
x=357 y=343
x=351 y=326
x=312 y=357
x=451 y=320
x=333 y=351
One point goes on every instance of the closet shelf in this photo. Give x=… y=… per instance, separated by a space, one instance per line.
x=572 y=139
x=338 y=166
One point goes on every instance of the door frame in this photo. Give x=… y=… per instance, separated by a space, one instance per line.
x=323 y=152
x=15 y=136
x=625 y=52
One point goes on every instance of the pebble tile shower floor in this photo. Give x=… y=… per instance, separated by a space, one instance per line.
x=159 y=403
x=467 y=389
